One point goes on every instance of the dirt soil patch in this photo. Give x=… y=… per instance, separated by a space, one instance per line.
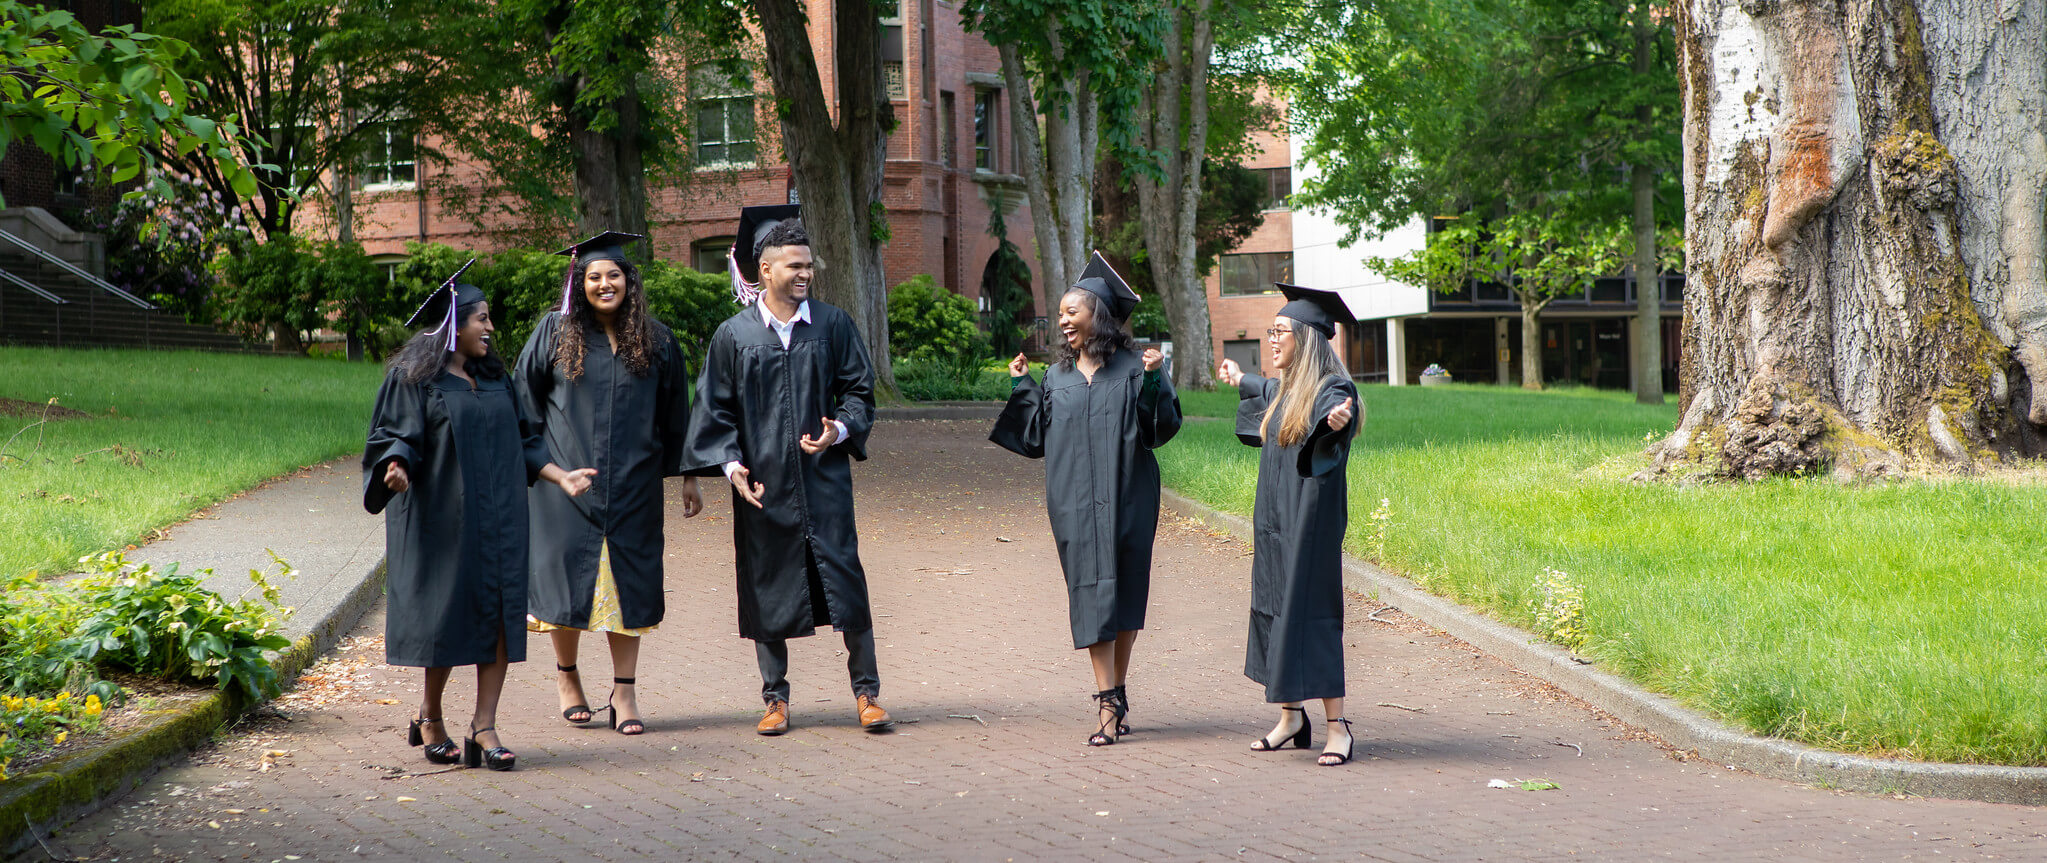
x=18 y=408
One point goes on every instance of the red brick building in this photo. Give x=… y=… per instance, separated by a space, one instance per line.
x=949 y=162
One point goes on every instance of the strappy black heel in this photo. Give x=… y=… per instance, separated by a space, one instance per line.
x=1300 y=740
x=1112 y=701
x=495 y=758
x=570 y=712
x=630 y=727
x=1350 y=747
x=1122 y=710
x=444 y=752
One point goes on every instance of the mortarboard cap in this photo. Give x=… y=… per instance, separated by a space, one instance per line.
x=1101 y=280
x=442 y=303
x=608 y=246
x=1315 y=307
x=745 y=258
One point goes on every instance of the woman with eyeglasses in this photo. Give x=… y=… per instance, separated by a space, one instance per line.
x=1100 y=412
x=1303 y=422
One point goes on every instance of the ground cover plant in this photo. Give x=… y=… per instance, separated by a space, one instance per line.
x=162 y=434
x=1906 y=619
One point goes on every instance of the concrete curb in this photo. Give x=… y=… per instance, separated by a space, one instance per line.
x=69 y=788
x=941 y=411
x=1675 y=724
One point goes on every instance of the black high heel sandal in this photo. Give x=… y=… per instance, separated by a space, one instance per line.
x=1300 y=740
x=1122 y=710
x=569 y=713
x=1110 y=700
x=1350 y=747
x=495 y=758
x=630 y=727
x=444 y=752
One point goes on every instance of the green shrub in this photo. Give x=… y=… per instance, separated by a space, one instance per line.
x=924 y=381
x=929 y=324
x=27 y=719
x=164 y=624
x=270 y=290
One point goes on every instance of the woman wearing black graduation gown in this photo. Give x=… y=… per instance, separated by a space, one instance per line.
x=607 y=385
x=1095 y=421
x=1302 y=423
x=449 y=456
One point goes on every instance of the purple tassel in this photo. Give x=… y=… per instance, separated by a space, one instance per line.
x=568 y=290
x=744 y=292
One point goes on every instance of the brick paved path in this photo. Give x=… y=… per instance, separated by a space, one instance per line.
x=971 y=625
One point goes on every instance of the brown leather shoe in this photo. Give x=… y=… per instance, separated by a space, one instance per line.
x=872 y=717
x=776 y=721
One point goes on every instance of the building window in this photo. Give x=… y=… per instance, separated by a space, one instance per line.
x=389 y=161
x=948 y=129
x=1254 y=273
x=984 y=130
x=724 y=118
x=708 y=256
x=1279 y=183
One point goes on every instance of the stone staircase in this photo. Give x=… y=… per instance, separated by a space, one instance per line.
x=46 y=299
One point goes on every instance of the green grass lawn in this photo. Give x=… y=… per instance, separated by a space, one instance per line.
x=169 y=433
x=1905 y=620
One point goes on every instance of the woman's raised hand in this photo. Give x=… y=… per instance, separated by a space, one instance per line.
x=1340 y=415
x=1019 y=367
x=1230 y=373
x=1153 y=359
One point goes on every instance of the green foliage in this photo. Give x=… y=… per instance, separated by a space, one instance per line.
x=108 y=100
x=165 y=624
x=926 y=380
x=271 y=288
x=160 y=242
x=524 y=284
x=1113 y=42
x=1006 y=284
x=1558 y=606
x=1540 y=256
x=356 y=297
x=27 y=719
x=929 y=323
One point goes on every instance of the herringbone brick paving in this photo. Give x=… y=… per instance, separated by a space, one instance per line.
x=990 y=762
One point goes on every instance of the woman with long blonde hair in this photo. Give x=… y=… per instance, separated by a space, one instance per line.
x=1303 y=422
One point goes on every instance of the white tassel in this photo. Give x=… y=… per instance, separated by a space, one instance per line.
x=744 y=292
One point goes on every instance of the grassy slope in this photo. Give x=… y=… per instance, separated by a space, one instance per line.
x=204 y=427
x=1907 y=619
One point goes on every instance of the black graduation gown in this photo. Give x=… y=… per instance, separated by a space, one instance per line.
x=1296 y=643
x=798 y=557
x=631 y=428
x=1101 y=481
x=455 y=541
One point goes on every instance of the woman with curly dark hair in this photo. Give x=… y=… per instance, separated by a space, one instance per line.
x=1101 y=411
x=608 y=387
x=450 y=453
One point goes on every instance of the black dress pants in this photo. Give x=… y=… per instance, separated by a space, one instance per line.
x=860 y=665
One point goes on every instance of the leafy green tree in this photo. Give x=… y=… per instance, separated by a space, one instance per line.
x=928 y=323
x=108 y=100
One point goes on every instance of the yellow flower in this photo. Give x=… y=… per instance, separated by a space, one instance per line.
x=61 y=736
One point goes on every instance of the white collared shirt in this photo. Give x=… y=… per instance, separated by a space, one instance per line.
x=786 y=332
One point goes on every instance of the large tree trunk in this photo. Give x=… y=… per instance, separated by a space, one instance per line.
x=838 y=168
x=1057 y=162
x=1863 y=183
x=1176 y=127
x=611 y=176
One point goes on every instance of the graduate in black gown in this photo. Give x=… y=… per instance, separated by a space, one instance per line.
x=1102 y=410
x=784 y=405
x=1302 y=422
x=449 y=457
x=607 y=384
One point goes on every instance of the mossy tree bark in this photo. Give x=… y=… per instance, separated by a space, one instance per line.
x=1863 y=186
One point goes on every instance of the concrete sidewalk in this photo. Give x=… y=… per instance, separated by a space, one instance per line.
x=990 y=761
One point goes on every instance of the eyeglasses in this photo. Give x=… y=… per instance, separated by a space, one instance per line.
x=1275 y=332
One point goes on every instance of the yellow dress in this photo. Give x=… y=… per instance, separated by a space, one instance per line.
x=604 y=611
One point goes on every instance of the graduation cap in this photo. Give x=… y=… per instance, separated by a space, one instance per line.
x=1315 y=307
x=1101 y=280
x=745 y=257
x=608 y=246
x=442 y=303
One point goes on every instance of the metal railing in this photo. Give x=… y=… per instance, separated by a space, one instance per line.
x=73 y=269
x=31 y=287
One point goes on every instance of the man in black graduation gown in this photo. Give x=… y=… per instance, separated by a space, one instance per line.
x=784 y=404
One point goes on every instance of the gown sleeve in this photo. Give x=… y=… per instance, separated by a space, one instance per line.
x=853 y=389
x=1254 y=393
x=1325 y=448
x=1158 y=410
x=1021 y=426
x=532 y=445
x=713 y=435
x=533 y=374
x=671 y=408
x=397 y=433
